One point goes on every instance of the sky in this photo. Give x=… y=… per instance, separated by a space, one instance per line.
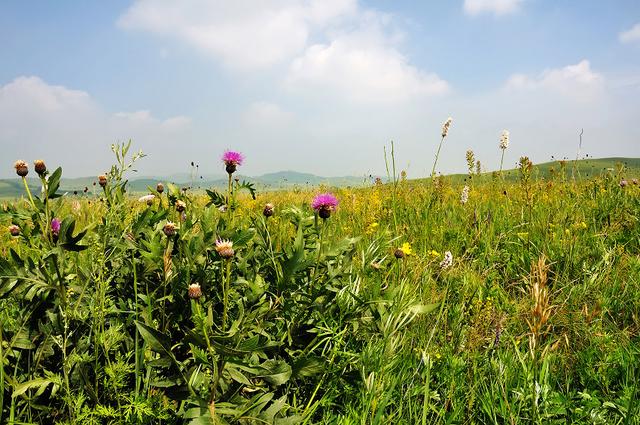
x=319 y=86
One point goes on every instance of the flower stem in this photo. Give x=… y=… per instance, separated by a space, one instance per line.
x=26 y=186
x=433 y=170
x=501 y=161
x=225 y=295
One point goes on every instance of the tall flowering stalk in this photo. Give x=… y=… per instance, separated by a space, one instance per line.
x=445 y=133
x=323 y=204
x=231 y=161
x=504 y=144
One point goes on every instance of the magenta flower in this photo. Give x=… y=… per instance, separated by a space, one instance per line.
x=232 y=159
x=55 y=226
x=324 y=203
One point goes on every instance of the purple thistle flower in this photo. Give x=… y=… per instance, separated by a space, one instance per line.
x=232 y=159
x=55 y=226
x=324 y=203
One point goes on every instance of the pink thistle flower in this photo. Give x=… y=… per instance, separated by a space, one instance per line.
x=232 y=159
x=324 y=203
x=55 y=226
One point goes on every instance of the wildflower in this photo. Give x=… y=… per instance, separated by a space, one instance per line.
x=634 y=181
x=169 y=229
x=195 y=292
x=372 y=228
x=464 y=197
x=148 y=199
x=14 y=230
x=406 y=248
x=55 y=226
x=445 y=127
x=222 y=208
x=180 y=206
x=21 y=168
x=231 y=160
x=268 y=210
x=159 y=188
x=447 y=261
x=102 y=179
x=324 y=203
x=623 y=183
x=434 y=253
x=504 y=140
x=40 y=167
x=224 y=247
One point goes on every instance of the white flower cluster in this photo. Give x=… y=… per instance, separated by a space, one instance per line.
x=447 y=261
x=464 y=197
x=445 y=127
x=504 y=140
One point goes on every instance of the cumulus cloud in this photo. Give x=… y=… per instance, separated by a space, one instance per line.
x=578 y=81
x=243 y=34
x=631 y=35
x=496 y=7
x=64 y=125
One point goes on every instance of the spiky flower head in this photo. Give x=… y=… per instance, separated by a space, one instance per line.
x=195 y=292
x=504 y=140
x=447 y=261
x=147 y=199
x=180 y=206
x=40 y=167
x=268 y=210
x=623 y=183
x=445 y=127
x=102 y=179
x=169 y=229
x=21 y=168
x=14 y=230
x=464 y=196
x=160 y=188
x=55 y=226
x=324 y=204
x=224 y=248
x=231 y=160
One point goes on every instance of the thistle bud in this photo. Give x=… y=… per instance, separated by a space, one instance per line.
x=102 y=179
x=195 y=292
x=398 y=253
x=14 y=230
x=623 y=183
x=169 y=229
x=21 y=168
x=180 y=206
x=268 y=210
x=40 y=167
x=225 y=248
x=160 y=188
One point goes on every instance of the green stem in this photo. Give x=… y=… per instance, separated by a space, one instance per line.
x=501 y=161
x=26 y=186
x=225 y=295
x=433 y=170
x=136 y=342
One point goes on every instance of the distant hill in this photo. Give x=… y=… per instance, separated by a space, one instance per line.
x=11 y=188
x=585 y=168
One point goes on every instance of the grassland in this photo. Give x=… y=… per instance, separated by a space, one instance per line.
x=135 y=313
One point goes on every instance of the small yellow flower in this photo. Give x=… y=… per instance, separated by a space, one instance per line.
x=372 y=228
x=406 y=248
x=434 y=253
x=523 y=235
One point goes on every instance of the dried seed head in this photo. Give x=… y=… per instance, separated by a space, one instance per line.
x=14 y=230
x=169 y=229
x=160 y=188
x=224 y=247
x=268 y=210
x=40 y=167
x=180 y=206
x=195 y=292
x=21 y=168
x=102 y=179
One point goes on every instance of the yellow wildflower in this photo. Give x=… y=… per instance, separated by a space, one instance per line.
x=406 y=248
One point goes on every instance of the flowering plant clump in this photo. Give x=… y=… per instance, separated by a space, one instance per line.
x=231 y=160
x=324 y=204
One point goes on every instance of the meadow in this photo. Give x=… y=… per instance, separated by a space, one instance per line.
x=493 y=298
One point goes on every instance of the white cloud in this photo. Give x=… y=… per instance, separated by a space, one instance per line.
x=63 y=125
x=244 y=34
x=497 y=7
x=266 y=114
x=631 y=35
x=578 y=81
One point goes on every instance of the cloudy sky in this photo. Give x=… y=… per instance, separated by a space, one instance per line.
x=318 y=86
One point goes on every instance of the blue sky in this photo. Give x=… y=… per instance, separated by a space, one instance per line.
x=316 y=85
